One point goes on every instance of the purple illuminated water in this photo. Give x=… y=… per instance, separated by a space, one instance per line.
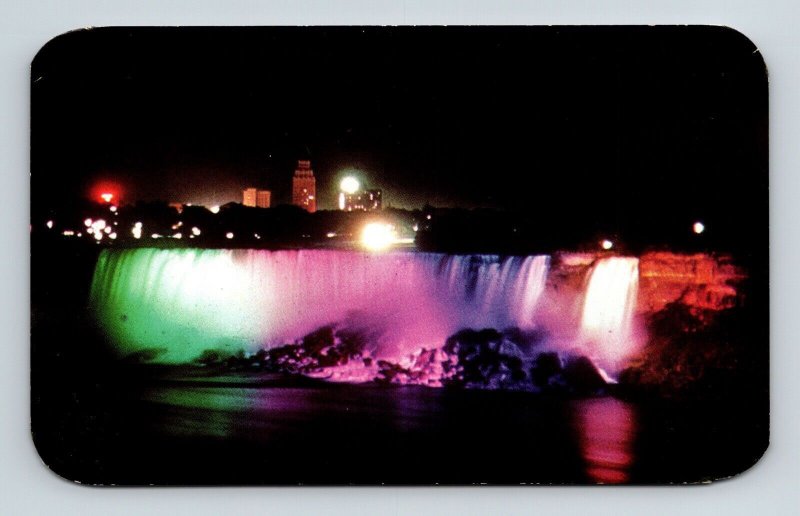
x=183 y=302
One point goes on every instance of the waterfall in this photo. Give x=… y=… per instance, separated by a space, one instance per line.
x=179 y=302
x=608 y=309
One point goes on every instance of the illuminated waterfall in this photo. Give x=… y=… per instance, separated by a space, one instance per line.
x=180 y=302
x=608 y=309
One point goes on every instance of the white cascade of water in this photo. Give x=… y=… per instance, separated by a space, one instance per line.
x=608 y=309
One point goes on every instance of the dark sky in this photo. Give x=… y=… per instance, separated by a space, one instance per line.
x=592 y=122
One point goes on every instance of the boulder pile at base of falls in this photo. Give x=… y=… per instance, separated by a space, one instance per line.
x=472 y=359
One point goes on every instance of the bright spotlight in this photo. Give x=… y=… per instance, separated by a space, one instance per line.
x=107 y=196
x=606 y=244
x=214 y=209
x=350 y=185
x=49 y=224
x=229 y=235
x=698 y=227
x=377 y=236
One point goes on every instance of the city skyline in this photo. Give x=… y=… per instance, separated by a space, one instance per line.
x=677 y=118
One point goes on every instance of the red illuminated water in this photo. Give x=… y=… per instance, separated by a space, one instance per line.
x=607 y=430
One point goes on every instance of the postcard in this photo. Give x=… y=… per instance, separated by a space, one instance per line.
x=399 y=255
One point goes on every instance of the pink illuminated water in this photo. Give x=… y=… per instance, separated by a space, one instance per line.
x=607 y=429
x=406 y=301
x=188 y=300
x=183 y=302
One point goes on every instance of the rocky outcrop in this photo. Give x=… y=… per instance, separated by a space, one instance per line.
x=694 y=353
x=473 y=359
x=699 y=281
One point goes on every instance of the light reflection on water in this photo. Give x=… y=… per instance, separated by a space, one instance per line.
x=604 y=429
x=232 y=412
x=607 y=429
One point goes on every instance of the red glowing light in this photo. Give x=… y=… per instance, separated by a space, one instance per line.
x=106 y=192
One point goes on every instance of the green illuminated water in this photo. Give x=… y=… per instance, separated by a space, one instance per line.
x=171 y=305
x=174 y=303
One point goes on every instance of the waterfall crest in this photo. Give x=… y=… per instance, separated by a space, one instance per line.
x=180 y=302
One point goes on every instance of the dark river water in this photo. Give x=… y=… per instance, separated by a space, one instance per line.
x=268 y=429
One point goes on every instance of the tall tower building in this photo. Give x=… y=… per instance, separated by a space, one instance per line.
x=304 y=187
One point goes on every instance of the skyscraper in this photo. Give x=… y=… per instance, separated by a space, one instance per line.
x=249 y=197
x=263 y=198
x=304 y=187
x=373 y=199
x=256 y=198
x=362 y=200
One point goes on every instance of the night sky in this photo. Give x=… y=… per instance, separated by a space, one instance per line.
x=609 y=123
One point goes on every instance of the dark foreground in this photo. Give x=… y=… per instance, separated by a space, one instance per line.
x=179 y=428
